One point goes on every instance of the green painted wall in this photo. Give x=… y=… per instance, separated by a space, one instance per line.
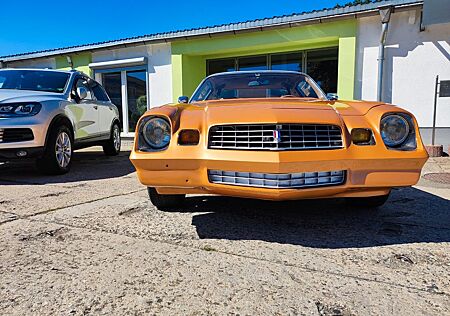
x=346 y=67
x=80 y=62
x=189 y=57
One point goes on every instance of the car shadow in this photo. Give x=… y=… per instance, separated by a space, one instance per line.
x=409 y=216
x=86 y=166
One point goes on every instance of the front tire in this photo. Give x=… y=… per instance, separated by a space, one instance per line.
x=165 y=202
x=112 y=145
x=368 y=202
x=57 y=157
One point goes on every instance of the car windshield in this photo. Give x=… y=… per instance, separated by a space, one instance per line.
x=35 y=80
x=257 y=85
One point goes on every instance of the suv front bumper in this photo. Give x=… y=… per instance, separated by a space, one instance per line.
x=17 y=153
x=10 y=149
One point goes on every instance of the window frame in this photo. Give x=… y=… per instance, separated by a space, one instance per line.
x=303 y=62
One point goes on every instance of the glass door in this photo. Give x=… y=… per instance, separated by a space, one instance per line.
x=128 y=90
x=137 y=97
x=112 y=83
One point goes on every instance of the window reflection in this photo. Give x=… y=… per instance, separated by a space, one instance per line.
x=137 y=97
x=322 y=66
x=253 y=63
x=113 y=86
x=291 y=62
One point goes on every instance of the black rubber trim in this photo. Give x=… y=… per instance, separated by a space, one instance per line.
x=11 y=153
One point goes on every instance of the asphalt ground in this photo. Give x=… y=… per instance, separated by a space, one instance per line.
x=90 y=242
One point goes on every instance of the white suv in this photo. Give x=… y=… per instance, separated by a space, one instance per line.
x=46 y=114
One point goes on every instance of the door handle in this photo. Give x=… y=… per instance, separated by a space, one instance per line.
x=95 y=107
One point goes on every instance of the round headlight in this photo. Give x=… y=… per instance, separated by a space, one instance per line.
x=394 y=130
x=157 y=133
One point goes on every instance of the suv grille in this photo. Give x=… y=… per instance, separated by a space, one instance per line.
x=12 y=135
x=277 y=180
x=275 y=137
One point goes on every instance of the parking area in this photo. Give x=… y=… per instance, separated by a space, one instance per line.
x=90 y=242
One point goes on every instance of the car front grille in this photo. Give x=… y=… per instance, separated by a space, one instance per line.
x=12 y=135
x=275 y=137
x=277 y=180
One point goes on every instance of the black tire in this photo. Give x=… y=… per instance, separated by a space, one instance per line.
x=111 y=148
x=51 y=162
x=165 y=202
x=368 y=202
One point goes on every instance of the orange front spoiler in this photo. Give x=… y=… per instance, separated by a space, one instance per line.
x=370 y=172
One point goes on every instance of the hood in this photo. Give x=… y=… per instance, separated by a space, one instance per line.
x=10 y=95
x=344 y=108
x=202 y=115
x=268 y=111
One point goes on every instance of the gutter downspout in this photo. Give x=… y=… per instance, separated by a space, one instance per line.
x=385 y=13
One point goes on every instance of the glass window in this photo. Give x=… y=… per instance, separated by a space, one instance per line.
x=99 y=92
x=253 y=63
x=137 y=96
x=83 y=83
x=113 y=86
x=257 y=85
x=322 y=66
x=35 y=80
x=291 y=62
x=221 y=65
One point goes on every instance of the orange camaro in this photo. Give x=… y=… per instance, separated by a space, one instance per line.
x=275 y=135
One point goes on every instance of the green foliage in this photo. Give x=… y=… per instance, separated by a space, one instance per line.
x=355 y=2
x=141 y=104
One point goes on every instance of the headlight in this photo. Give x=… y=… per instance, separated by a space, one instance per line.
x=19 y=109
x=156 y=132
x=394 y=129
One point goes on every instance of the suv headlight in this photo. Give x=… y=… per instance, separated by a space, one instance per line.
x=20 y=109
x=155 y=133
x=397 y=131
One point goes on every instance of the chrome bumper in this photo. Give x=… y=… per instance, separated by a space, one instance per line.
x=277 y=180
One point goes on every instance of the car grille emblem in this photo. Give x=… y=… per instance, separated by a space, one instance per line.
x=277 y=135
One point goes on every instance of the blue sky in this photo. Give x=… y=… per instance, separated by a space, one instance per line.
x=31 y=25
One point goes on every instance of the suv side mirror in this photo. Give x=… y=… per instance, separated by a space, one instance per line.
x=183 y=99
x=332 y=96
x=81 y=93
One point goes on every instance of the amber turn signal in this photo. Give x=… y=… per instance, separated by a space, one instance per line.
x=361 y=136
x=189 y=137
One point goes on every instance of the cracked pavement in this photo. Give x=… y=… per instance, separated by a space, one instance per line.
x=90 y=242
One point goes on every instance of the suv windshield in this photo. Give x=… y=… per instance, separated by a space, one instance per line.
x=257 y=85
x=35 y=80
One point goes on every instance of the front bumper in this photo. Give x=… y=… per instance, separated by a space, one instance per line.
x=18 y=153
x=370 y=170
x=37 y=126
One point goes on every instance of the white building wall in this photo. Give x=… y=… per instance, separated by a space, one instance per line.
x=159 y=68
x=413 y=59
x=34 y=63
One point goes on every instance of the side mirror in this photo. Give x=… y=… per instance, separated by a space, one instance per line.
x=183 y=99
x=82 y=93
x=332 y=96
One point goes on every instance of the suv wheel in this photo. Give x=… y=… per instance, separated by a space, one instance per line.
x=165 y=202
x=112 y=146
x=57 y=158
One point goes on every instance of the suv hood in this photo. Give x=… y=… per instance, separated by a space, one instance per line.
x=9 y=96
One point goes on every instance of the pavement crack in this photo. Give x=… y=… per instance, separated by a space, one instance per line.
x=18 y=217
x=280 y=263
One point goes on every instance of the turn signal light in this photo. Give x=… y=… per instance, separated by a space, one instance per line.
x=361 y=136
x=189 y=137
